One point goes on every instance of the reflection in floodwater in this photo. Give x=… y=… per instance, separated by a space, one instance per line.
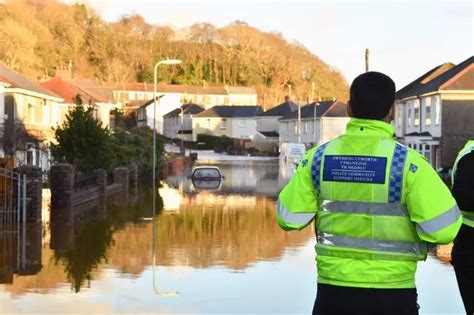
x=232 y=227
x=216 y=248
x=20 y=250
x=261 y=178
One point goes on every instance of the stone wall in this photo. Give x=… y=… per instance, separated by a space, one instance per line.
x=65 y=198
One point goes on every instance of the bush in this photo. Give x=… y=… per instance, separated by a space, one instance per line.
x=135 y=146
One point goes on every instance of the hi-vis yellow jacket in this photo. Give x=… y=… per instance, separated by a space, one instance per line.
x=468 y=217
x=377 y=206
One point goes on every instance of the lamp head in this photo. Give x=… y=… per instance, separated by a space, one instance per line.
x=171 y=62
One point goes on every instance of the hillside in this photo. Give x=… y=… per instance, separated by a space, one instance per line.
x=37 y=36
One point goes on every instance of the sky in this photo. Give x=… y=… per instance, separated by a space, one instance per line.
x=405 y=38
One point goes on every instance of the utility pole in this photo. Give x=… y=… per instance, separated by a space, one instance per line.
x=367 y=60
x=299 y=123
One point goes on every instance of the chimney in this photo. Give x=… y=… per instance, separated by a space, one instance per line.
x=287 y=99
x=367 y=60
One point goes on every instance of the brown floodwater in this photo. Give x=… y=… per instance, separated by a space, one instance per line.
x=206 y=251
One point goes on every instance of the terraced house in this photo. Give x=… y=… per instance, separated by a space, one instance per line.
x=30 y=112
x=237 y=122
x=434 y=113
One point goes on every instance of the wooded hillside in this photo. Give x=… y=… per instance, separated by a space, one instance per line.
x=37 y=36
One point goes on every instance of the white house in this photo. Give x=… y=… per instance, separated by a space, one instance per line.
x=240 y=95
x=3 y=85
x=236 y=122
x=319 y=122
x=268 y=122
x=207 y=96
x=164 y=104
x=435 y=113
x=179 y=122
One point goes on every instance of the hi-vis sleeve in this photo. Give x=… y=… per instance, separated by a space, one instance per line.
x=430 y=204
x=297 y=202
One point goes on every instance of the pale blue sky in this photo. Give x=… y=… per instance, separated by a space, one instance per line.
x=406 y=38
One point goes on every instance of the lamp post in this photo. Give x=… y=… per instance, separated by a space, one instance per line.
x=155 y=70
x=162 y=62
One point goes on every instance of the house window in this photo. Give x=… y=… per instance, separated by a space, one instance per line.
x=209 y=124
x=428 y=111
x=427 y=152
x=29 y=157
x=296 y=128
x=305 y=127
x=410 y=121
x=46 y=113
x=224 y=124
x=437 y=104
x=398 y=114
x=417 y=113
x=31 y=113
x=242 y=123
x=38 y=158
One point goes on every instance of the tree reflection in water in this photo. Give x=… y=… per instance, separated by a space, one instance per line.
x=83 y=245
x=233 y=227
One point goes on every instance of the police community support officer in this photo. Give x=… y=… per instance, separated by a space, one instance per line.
x=463 y=249
x=377 y=205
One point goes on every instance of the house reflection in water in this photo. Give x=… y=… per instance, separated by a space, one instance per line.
x=233 y=227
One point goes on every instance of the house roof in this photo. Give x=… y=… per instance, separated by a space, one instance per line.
x=270 y=134
x=106 y=93
x=331 y=108
x=191 y=109
x=16 y=80
x=232 y=111
x=182 y=88
x=281 y=109
x=68 y=90
x=442 y=77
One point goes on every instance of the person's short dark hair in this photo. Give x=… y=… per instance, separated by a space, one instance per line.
x=372 y=95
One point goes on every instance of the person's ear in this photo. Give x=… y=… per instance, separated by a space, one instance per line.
x=349 y=109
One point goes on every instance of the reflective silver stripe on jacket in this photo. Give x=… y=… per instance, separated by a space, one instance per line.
x=417 y=248
x=370 y=208
x=293 y=218
x=440 y=222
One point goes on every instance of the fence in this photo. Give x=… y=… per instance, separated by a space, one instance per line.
x=12 y=197
x=13 y=203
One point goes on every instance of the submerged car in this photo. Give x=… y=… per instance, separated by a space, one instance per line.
x=206 y=177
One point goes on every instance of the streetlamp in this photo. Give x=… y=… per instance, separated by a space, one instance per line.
x=162 y=62
x=314 y=123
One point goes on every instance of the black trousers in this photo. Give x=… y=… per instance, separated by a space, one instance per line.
x=336 y=300
x=463 y=263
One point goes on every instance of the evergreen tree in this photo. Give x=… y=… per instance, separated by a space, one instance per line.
x=82 y=141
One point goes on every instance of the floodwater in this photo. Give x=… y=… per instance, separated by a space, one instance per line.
x=217 y=251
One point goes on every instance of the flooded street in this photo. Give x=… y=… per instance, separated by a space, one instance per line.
x=206 y=252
